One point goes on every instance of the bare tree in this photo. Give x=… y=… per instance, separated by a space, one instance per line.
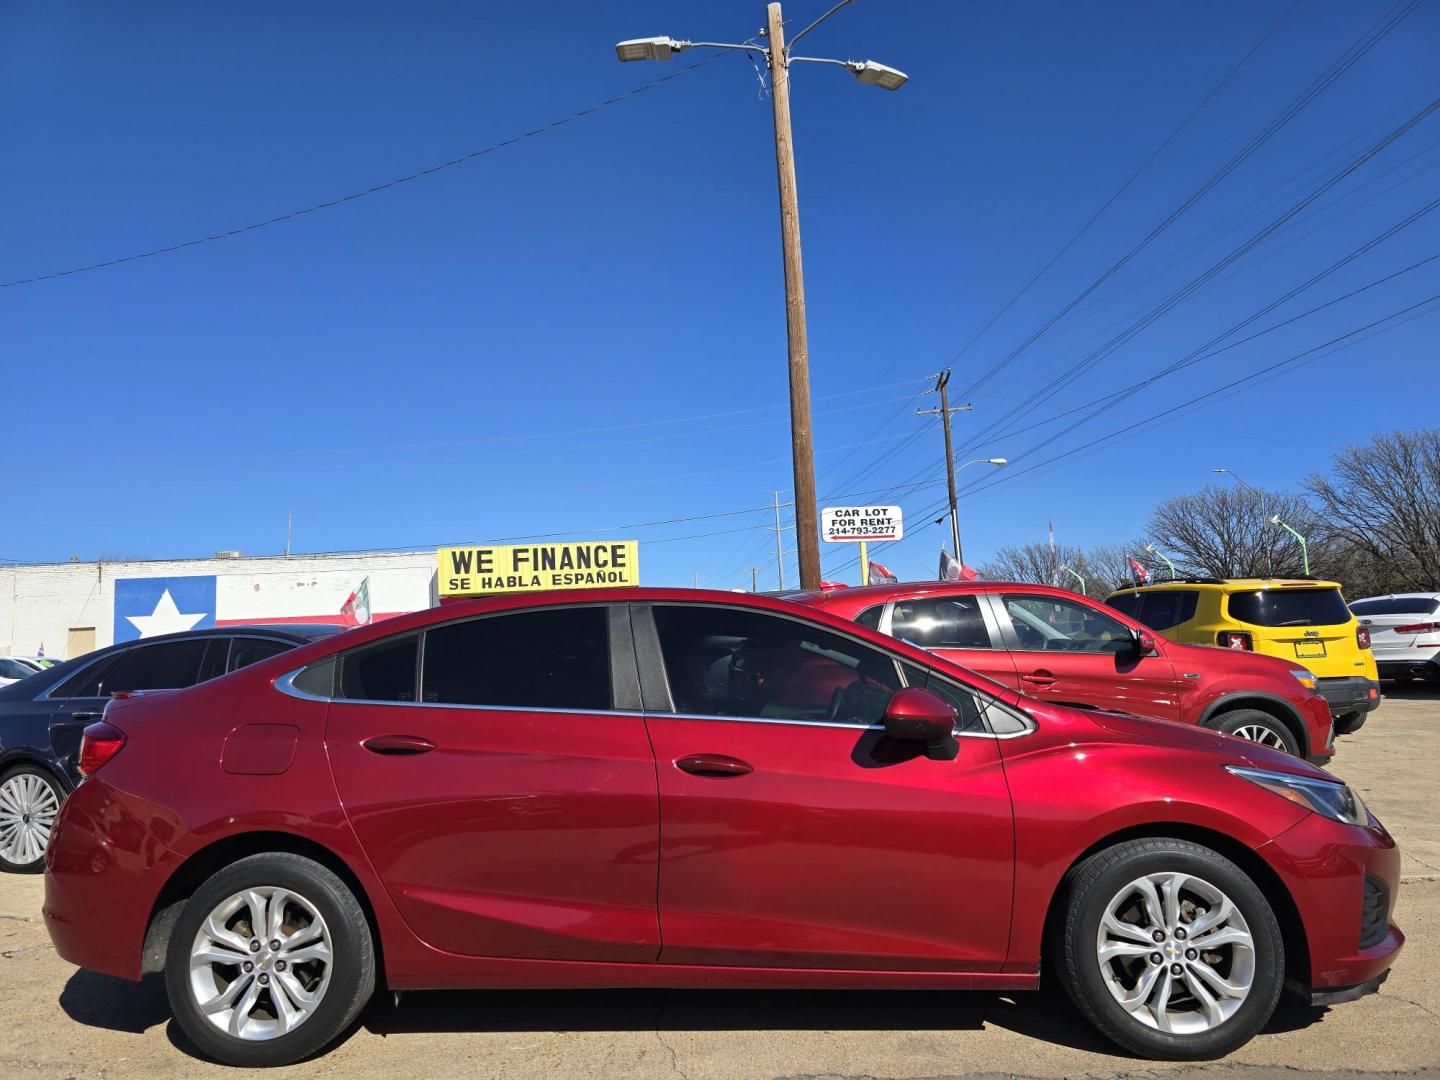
x=1225 y=531
x=1036 y=562
x=1108 y=566
x=1382 y=505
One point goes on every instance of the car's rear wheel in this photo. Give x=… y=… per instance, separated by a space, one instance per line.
x=270 y=960
x=1170 y=949
x=1257 y=727
x=29 y=800
x=1350 y=722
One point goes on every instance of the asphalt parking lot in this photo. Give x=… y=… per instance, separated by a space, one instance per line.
x=66 y=1023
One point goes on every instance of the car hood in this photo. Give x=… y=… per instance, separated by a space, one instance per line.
x=1189 y=737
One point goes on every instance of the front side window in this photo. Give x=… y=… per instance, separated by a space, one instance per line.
x=169 y=666
x=951 y=622
x=384 y=671
x=555 y=659
x=1289 y=607
x=731 y=662
x=1049 y=624
x=975 y=712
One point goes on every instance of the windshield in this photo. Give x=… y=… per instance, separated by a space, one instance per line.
x=1289 y=607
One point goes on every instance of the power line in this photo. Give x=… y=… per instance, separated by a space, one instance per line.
x=1367 y=41
x=1074 y=371
x=341 y=200
x=1126 y=185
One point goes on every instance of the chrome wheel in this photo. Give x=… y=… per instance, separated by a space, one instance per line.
x=28 y=806
x=1259 y=733
x=1176 y=953
x=261 y=963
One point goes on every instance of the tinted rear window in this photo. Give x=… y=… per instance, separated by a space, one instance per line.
x=1396 y=605
x=1289 y=607
x=381 y=672
x=1160 y=609
x=169 y=666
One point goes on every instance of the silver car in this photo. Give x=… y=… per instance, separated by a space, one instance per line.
x=1404 y=634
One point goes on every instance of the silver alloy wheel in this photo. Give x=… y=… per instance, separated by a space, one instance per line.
x=1176 y=953
x=28 y=806
x=1259 y=733
x=261 y=963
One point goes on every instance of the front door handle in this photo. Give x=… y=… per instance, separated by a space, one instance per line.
x=716 y=766
x=1039 y=678
x=398 y=744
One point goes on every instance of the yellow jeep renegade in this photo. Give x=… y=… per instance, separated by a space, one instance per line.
x=1300 y=621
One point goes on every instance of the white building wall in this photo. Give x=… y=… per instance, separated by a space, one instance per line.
x=41 y=604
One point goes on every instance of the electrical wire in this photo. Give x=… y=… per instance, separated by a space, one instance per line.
x=1377 y=32
x=341 y=200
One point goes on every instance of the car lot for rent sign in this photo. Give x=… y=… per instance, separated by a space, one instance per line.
x=511 y=568
x=858 y=524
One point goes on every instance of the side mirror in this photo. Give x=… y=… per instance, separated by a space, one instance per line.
x=916 y=714
x=1144 y=643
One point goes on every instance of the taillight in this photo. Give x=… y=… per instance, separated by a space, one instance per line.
x=1362 y=637
x=1418 y=628
x=1235 y=639
x=99 y=744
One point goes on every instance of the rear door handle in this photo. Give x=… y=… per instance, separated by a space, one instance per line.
x=1039 y=678
x=398 y=744
x=716 y=766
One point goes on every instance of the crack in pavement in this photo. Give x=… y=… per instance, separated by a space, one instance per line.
x=660 y=1038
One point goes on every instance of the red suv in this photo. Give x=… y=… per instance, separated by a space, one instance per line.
x=676 y=788
x=1065 y=648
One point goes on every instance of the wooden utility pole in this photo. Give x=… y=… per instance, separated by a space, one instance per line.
x=942 y=384
x=807 y=529
x=754 y=578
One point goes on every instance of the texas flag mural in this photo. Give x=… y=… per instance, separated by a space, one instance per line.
x=147 y=607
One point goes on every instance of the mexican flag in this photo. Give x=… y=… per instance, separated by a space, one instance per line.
x=356 y=608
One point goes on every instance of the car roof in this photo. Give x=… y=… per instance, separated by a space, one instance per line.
x=1231 y=583
x=860 y=597
x=298 y=633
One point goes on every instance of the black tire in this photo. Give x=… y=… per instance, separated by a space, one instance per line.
x=1350 y=723
x=1090 y=889
x=34 y=782
x=352 y=979
x=1251 y=720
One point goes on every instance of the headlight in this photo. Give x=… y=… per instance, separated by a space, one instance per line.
x=1328 y=798
x=1304 y=677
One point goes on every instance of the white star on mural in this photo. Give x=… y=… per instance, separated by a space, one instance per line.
x=165 y=619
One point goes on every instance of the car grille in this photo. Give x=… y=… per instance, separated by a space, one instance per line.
x=1373 y=911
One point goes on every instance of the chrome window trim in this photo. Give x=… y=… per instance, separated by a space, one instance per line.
x=286 y=685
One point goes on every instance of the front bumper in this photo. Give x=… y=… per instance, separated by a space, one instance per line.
x=1350 y=694
x=1324 y=865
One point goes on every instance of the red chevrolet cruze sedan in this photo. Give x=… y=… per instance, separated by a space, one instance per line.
x=690 y=789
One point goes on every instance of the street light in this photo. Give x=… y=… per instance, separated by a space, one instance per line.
x=999 y=463
x=1304 y=547
x=778 y=57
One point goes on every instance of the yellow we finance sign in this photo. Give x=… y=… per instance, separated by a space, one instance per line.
x=510 y=568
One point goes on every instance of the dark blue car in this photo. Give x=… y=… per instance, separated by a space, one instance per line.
x=43 y=715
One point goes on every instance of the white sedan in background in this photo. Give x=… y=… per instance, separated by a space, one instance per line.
x=1404 y=634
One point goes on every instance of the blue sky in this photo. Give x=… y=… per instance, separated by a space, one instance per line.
x=586 y=329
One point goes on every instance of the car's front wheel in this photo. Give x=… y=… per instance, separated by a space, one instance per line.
x=1170 y=949
x=1258 y=727
x=29 y=800
x=1350 y=723
x=270 y=960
